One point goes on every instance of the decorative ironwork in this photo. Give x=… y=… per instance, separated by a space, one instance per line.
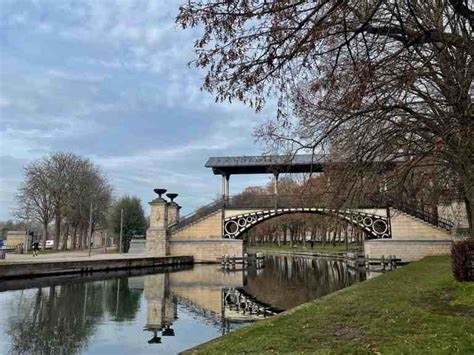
x=376 y=226
x=238 y=300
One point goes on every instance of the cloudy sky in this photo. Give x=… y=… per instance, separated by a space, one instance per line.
x=109 y=80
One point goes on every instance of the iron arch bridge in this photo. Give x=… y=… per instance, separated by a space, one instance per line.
x=375 y=226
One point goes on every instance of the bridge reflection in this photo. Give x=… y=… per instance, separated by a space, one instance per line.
x=62 y=314
x=207 y=292
x=231 y=299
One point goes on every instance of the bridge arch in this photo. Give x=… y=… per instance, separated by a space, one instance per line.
x=375 y=226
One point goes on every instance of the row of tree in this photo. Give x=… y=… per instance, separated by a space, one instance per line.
x=73 y=194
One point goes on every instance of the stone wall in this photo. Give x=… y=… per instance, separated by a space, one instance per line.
x=15 y=238
x=406 y=227
x=407 y=250
x=207 y=228
x=456 y=213
x=208 y=250
x=137 y=247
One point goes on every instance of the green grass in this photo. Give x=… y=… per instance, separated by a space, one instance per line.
x=339 y=248
x=418 y=309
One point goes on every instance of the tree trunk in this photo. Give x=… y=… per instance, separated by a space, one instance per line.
x=466 y=174
x=84 y=238
x=57 y=229
x=469 y=201
x=45 y=235
x=65 y=237
x=74 y=236
x=470 y=212
x=81 y=233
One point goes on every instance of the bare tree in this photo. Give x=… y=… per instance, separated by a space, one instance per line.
x=34 y=199
x=375 y=80
x=63 y=187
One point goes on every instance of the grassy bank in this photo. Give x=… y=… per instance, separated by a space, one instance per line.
x=419 y=308
x=339 y=248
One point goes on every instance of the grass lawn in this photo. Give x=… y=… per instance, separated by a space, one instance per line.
x=417 y=309
x=339 y=248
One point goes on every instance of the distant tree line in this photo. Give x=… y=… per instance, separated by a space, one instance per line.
x=299 y=228
x=64 y=188
x=71 y=195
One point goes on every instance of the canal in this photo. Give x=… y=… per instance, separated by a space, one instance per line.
x=160 y=311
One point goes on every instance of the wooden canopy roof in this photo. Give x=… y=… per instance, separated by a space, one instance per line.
x=269 y=164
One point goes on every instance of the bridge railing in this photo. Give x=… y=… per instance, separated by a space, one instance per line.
x=304 y=200
x=424 y=215
x=270 y=201
x=414 y=211
x=291 y=201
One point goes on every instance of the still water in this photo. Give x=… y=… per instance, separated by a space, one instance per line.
x=160 y=311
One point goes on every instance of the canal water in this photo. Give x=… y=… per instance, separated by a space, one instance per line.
x=156 y=311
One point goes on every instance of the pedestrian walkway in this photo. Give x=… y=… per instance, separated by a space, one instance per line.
x=77 y=255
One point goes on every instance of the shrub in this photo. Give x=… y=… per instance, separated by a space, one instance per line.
x=462 y=254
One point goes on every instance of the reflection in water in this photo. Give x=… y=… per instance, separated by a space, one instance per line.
x=167 y=311
x=59 y=319
x=287 y=281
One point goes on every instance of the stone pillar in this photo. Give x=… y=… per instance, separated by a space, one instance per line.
x=157 y=243
x=173 y=213
x=173 y=209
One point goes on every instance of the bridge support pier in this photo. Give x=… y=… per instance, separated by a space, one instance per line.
x=157 y=238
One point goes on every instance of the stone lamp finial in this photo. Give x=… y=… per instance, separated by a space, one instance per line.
x=171 y=196
x=160 y=192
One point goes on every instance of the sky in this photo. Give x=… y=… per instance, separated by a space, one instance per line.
x=110 y=81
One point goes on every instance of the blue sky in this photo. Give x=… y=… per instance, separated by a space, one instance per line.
x=109 y=80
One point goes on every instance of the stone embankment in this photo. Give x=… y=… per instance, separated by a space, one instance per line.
x=24 y=268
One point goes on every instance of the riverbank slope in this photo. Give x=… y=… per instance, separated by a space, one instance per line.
x=419 y=308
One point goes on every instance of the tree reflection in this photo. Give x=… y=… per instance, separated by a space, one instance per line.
x=61 y=319
x=286 y=282
x=122 y=303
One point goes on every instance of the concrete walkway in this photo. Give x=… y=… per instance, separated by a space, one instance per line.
x=79 y=262
x=79 y=255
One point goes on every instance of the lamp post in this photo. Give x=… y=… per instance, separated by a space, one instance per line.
x=121 y=231
x=90 y=230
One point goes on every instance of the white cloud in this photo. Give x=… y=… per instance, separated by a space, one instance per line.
x=83 y=76
x=117 y=65
x=4 y=102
